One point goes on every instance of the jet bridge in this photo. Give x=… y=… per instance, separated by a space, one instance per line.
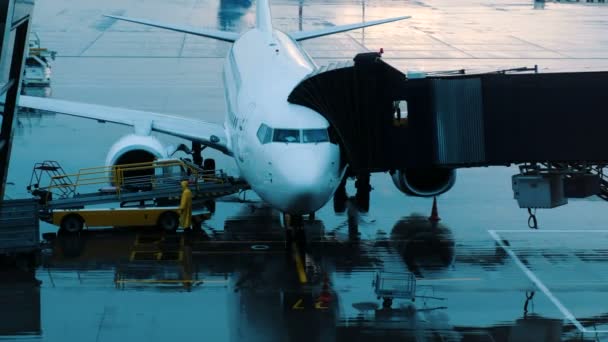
x=458 y=121
x=553 y=123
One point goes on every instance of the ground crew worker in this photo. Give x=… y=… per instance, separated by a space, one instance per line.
x=185 y=207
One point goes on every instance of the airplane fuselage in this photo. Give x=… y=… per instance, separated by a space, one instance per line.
x=282 y=150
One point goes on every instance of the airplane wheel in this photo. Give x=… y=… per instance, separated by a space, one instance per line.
x=210 y=204
x=340 y=198
x=209 y=164
x=362 y=200
x=387 y=303
x=288 y=238
x=72 y=224
x=168 y=221
x=311 y=216
x=339 y=205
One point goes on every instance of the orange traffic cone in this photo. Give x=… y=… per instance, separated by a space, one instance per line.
x=434 y=213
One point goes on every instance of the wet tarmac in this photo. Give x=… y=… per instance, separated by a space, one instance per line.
x=481 y=273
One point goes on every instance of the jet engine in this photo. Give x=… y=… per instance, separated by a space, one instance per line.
x=134 y=148
x=424 y=182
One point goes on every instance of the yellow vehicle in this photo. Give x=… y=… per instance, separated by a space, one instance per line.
x=73 y=220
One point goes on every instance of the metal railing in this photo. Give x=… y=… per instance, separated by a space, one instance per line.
x=573 y=168
x=118 y=179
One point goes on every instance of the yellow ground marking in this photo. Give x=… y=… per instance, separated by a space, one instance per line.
x=319 y=305
x=255 y=242
x=298 y=305
x=169 y=281
x=159 y=238
x=299 y=265
x=237 y=252
x=157 y=255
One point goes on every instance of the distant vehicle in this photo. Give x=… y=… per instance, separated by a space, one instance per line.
x=37 y=71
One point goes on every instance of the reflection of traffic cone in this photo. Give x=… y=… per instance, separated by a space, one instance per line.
x=434 y=213
x=325 y=296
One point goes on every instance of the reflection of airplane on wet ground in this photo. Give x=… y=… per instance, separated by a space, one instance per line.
x=266 y=300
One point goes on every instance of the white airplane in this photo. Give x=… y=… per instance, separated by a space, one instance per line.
x=282 y=150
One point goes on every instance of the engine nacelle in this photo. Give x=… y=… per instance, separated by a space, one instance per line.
x=424 y=182
x=134 y=148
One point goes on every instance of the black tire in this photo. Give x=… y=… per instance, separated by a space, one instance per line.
x=387 y=303
x=339 y=205
x=168 y=221
x=340 y=198
x=209 y=164
x=362 y=200
x=72 y=223
x=210 y=204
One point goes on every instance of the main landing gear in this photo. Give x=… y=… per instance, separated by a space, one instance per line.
x=363 y=190
x=362 y=197
x=208 y=165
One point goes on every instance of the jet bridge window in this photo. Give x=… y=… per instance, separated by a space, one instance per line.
x=286 y=135
x=315 y=135
x=264 y=134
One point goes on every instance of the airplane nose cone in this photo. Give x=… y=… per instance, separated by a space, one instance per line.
x=303 y=169
x=306 y=178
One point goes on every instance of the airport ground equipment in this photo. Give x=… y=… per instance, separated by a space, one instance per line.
x=37 y=71
x=19 y=227
x=74 y=220
x=157 y=181
x=390 y=285
x=539 y=190
x=148 y=193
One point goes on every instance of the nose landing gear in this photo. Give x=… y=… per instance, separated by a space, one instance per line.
x=295 y=235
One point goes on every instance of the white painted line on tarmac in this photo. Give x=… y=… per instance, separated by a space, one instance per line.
x=535 y=279
x=539 y=284
x=542 y=231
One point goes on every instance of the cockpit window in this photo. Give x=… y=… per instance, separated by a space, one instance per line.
x=286 y=135
x=264 y=134
x=315 y=135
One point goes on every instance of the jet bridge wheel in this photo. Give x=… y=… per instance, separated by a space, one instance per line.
x=72 y=223
x=168 y=221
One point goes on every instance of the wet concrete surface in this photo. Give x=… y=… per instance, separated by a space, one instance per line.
x=481 y=274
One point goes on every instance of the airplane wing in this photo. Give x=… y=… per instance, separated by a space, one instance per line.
x=303 y=35
x=215 y=34
x=208 y=134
